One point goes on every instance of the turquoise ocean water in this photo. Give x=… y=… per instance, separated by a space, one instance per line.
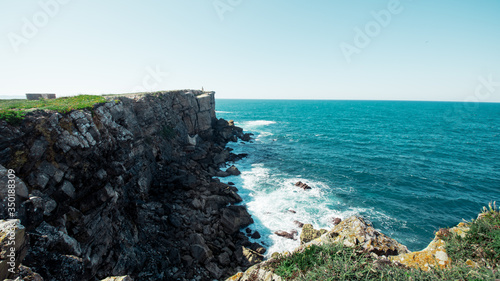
x=408 y=167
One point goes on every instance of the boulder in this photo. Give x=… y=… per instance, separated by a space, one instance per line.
x=247 y=137
x=199 y=249
x=248 y=257
x=336 y=221
x=121 y=278
x=355 y=231
x=235 y=217
x=299 y=224
x=255 y=235
x=20 y=189
x=222 y=174
x=309 y=233
x=27 y=274
x=233 y=171
x=302 y=185
x=289 y=235
x=214 y=270
x=256 y=272
x=224 y=259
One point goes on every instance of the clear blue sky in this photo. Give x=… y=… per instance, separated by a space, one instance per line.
x=417 y=50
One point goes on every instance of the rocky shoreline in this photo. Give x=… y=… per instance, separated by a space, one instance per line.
x=126 y=188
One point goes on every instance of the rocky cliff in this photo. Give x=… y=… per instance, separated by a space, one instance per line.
x=127 y=187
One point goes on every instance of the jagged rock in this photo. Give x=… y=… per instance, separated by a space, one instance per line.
x=222 y=174
x=299 y=224
x=214 y=270
x=199 y=249
x=255 y=235
x=248 y=257
x=224 y=259
x=258 y=248
x=302 y=185
x=256 y=272
x=26 y=274
x=289 y=235
x=309 y=233
x=434 y=255
x=247 y=137
x=13 y=246
x=197 y=204
x=355 y=231
x=113 y=192
x=235 y=217
x=336 y=221
x=233 y=171
x=20 y=189
x=122 y=278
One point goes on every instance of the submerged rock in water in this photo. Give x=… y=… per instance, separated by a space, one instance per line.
x=299 y=224
x=289 y=235
x=302 y=185
x=233 y=171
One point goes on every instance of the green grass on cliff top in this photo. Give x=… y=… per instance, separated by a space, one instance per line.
x=338 y=262
x=13 y=111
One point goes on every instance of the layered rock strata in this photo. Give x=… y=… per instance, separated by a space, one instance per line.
x=127 y=188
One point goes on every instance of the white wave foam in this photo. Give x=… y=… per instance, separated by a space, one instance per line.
x=217 y=111
x=275 y=203
x=256 y=124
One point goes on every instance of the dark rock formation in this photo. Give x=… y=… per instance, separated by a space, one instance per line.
x=126 y=188
x=302 y=185
x=299 y=224
x=289 y=235
x=233 y=171
x=336 y=221
x=255 y=235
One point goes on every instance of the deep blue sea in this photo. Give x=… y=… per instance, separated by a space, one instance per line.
x=408 y=167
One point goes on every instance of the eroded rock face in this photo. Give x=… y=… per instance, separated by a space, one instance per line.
x=434 y=255
x=123 y=188
x=355 y=231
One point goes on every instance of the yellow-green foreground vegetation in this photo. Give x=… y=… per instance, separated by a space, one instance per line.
x=474 y=255
x=13 y=111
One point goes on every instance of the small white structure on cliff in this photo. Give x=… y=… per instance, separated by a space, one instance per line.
x=40 y=96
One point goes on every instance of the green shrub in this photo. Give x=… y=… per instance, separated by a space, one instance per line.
x=481 y=244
